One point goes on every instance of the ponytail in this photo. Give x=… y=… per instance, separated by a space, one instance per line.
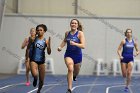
x=80 y=27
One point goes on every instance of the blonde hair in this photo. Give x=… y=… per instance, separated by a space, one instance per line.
x=32 y=29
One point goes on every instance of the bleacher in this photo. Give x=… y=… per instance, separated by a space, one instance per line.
x=49 y=66
x=113 y=68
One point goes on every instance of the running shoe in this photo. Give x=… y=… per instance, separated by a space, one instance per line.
x=126 y=89
x=69 y=91
x=27 y=83
x=35 y=82
x=74 y=78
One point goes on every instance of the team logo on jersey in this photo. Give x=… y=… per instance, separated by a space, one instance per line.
x=72 y=39
x=41 y=47
x=129 y=45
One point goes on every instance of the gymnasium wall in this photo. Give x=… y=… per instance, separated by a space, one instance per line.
x=103 y=35
x=116 y=8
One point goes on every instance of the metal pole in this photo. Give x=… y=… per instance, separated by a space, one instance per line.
x=76 y=7
x=2 y=8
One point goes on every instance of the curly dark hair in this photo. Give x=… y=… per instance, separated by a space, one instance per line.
x=43 y=26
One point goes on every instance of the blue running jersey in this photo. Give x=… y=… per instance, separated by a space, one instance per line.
x=72 y=51
x=127 y=52
x=72 y=48
x=37 y=50
x=128 y=48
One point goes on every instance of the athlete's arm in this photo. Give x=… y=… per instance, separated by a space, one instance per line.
x=136 y=47
x=63 y=43
x=25 y=43
x=82 y=41
x=48 y=42
x=119 y=49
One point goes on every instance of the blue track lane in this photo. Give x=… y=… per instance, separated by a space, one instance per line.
x=58 y=84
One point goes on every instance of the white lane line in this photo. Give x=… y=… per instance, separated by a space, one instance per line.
x=128 y=87
x=32 y=90
x=72 y=88
x=43 y=86
x=59 y=83
x=94 y=82
x=85 y=85
x=107 y=89
x=11 y=85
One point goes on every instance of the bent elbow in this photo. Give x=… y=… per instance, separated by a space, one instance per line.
x=22 y=47
x=49 y=51
x=118 y=51
x=83 y=47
